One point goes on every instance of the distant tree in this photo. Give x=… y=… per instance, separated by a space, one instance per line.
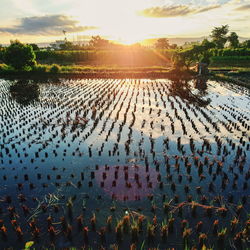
x=19 y=55
x=1 y=52
x=34 y=46
x=67 y=45
x=219 y=36
x=186 y=58
x=98 y=42
x=162 y=43
x=233 y=40
x=205 y=58
x=208 y=44
x=245 y=44
x=173 y=46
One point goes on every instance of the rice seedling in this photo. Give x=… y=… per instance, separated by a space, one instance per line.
x=171 y=224
x=150 y=232
x=119 y=231
x=126 y=223
x=202 y=240
x=185 y=235
x=221 y=237
x=147 y=159
x=93 y=222
x=134 y=232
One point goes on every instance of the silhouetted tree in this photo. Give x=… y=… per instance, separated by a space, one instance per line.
x=233 y=40
x=98 y=42
x=219 y=36
x=185 y=58
x=34 y=46
x=162 y=43
x=208 y=44
x=67 y=45
x=173 y=46
x=245 y=44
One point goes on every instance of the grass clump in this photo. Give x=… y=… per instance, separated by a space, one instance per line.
x=40 y=68
x=55 y=68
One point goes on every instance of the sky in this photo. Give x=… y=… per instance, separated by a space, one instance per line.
x=125 y=21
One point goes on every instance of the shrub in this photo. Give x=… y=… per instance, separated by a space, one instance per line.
x=230 y=61
x=55 y=69
x=40 y=68
x=19 y=55
x=205 y=58
x=5 y=68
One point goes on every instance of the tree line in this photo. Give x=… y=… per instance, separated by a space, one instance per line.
x=222 y=43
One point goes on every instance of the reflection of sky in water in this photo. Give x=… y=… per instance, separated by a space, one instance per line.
x=57 y=100
x=129 y=125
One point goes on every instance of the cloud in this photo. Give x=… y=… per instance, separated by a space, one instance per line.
x=243 y=8
x=208 y=8
x=174 y=11
x=50 y=25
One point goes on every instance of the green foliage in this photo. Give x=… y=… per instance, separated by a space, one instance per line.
x=205 y=58
x=185 y=58
x=67 y=45
x=230 y=52
x=207 y=44
x=219 y=36
x=34 y=46
x=64 y=57
x=55 y=69
x=5 y=68
x=29 y=244
x=2 y=50
x=230 y=61
x=233 y=39
x=19 y=55
x=40 y=68
x=245 y=44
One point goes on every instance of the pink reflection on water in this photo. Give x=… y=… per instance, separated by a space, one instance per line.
x=127 y=182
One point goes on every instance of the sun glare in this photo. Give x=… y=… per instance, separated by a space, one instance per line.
x=129 y=40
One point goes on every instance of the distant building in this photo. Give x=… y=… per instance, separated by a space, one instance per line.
x=56 y=44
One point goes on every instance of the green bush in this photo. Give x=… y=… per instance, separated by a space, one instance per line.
x=5 y=68
x=1 y=54
x=19 y=56
x=47 y=56
x=55 y=69
x=40 y=68
x=230 y=61
x=230 y=52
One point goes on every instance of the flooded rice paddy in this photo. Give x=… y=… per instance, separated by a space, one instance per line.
x=124 y=164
